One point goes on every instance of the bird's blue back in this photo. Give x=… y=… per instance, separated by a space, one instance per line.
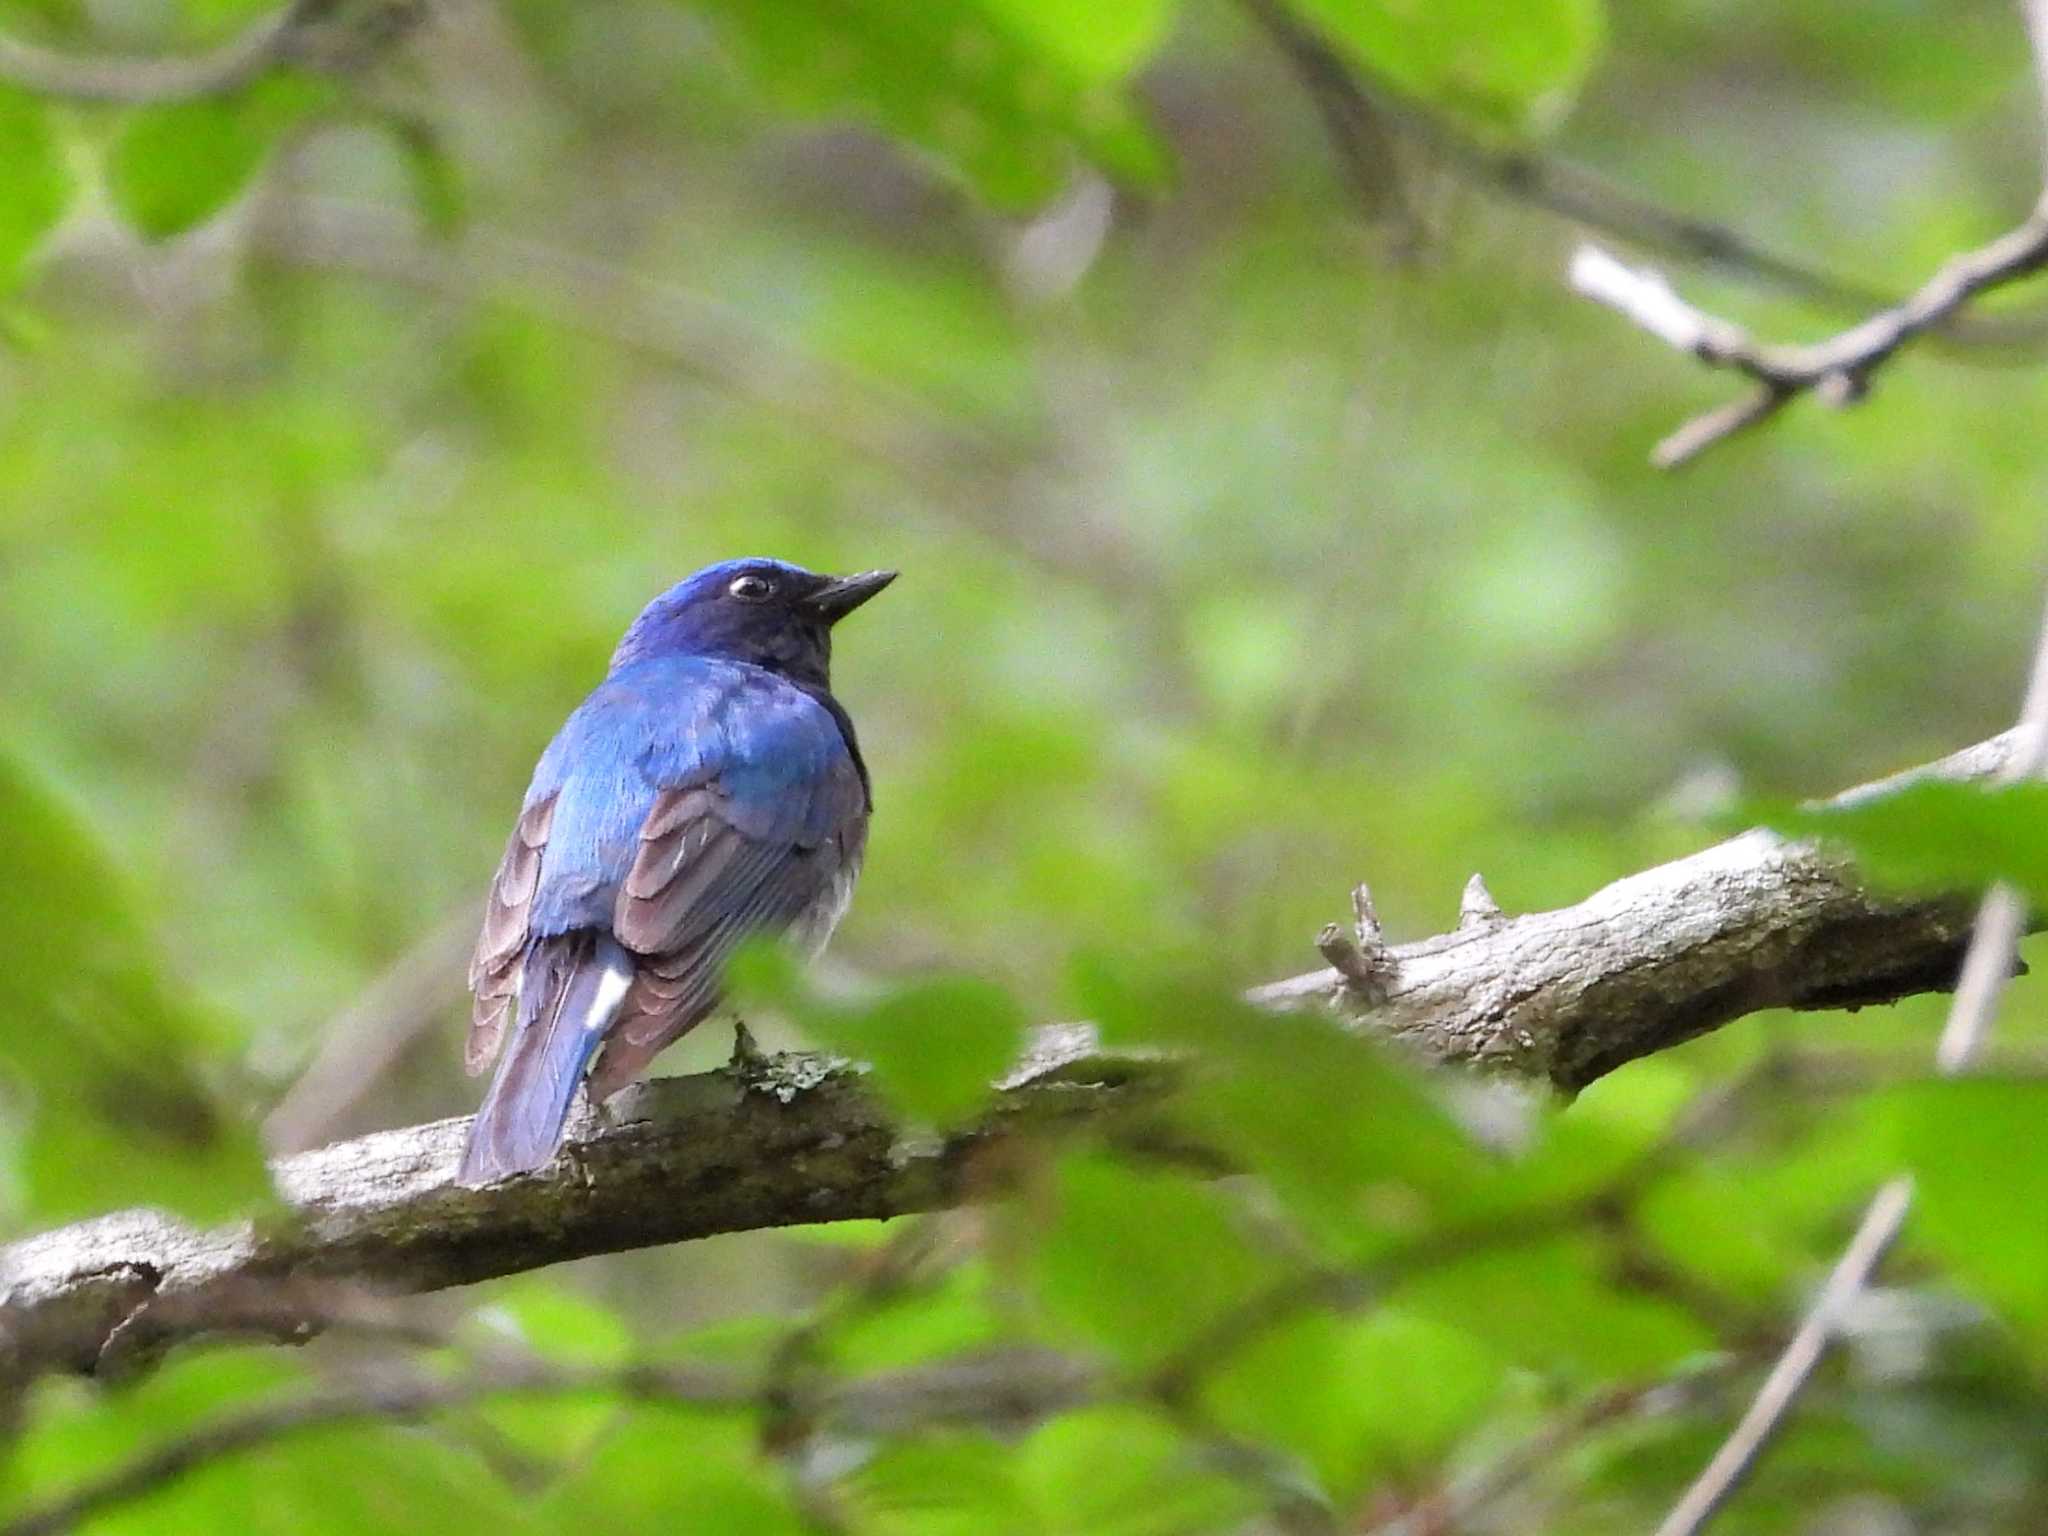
x=665 y=723
x=708 y=789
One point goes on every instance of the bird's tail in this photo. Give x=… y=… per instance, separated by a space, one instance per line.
x=570 y=986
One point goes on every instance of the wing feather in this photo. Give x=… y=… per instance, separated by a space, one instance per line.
x=699 y=886
x=494 y=969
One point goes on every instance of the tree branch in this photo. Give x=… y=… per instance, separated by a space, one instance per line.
x=1568 y=995
x=1840 y=369
x=1875 y=1234
x=1660 y=957
x=1358 y=113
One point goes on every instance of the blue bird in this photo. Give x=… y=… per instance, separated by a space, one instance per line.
x=709 y=789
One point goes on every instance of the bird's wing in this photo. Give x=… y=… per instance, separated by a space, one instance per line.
x=569 y=848
x=494 y=969
x=754 y=846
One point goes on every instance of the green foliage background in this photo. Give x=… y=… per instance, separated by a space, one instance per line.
x=345 y=420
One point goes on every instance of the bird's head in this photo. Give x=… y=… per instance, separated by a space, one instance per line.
x=768 y=612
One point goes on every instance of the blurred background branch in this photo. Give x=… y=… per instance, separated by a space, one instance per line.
x=147 y=80
x=299 y=34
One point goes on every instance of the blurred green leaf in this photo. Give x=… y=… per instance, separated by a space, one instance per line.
x=38 y=18
x=109 y=1058
x=1934 y=835
x=1560 y=1305
x=1142 y=1263
x=347 y=1482
x=1980 y=1172
x=943 y=1484
x=955 y=1315
x=542 y=1316
x=224 y=15
x=1601 y=1137
x=1007 y=97
x=1750 y=1222
x=744 y=1343
x=658 y=1469
x=77 y=1427
x=936 y=1046
x=545 y=1316
x=1712 y=1224
x=174 y=167
x=1101 y=42
x=1362 y=1151
x=353 y=1478
x=1513 y=66
x=437 y=184
x=1336 y=1391
x=35 y=184
x=1118 y=1471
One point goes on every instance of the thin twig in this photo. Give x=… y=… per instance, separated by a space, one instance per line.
x=1348 y=108
x=1358 y=110
x=1738 y=1453
x=1359 y=133
x=1453 y=1507
x=1987 y=966
x=1841 y=368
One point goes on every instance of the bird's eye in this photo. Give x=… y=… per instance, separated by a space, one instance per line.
x=752 y=589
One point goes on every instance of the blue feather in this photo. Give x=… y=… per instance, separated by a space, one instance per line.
x=710 y=787
x=571 y=987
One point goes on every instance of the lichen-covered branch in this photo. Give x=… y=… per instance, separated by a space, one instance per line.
x=1568 y=995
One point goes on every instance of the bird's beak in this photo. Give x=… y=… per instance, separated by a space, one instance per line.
x=842 y=594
